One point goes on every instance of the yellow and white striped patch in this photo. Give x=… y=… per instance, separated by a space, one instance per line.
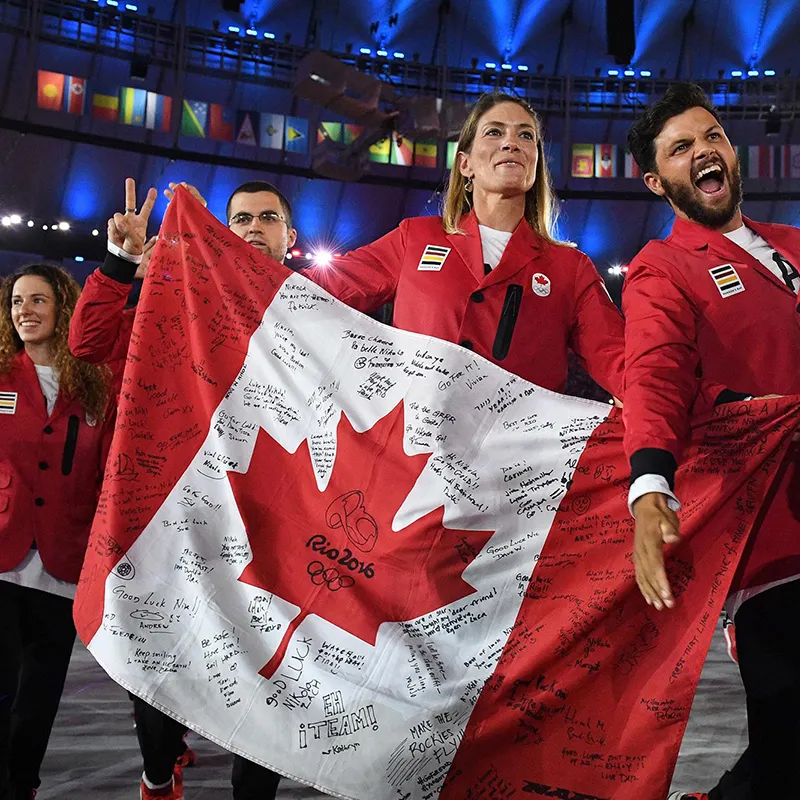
x=433 y=258
x=8 y=402
x=727 y=280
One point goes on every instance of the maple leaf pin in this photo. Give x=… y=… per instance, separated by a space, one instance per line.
x=334 y=553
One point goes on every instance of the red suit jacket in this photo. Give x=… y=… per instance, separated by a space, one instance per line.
x=540 y=300
x=51 y=468
x=738 y=327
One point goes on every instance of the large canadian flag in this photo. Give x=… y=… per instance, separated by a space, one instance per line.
x=381 y=565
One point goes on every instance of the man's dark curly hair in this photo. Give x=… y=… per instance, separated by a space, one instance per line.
x=678 y=98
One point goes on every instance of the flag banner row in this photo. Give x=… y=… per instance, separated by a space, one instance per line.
x=377 y=563
x=757 y=161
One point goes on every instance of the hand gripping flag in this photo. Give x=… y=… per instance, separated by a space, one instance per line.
x=381 y=565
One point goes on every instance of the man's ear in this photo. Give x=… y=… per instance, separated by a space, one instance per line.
x=653 y=182
x=292 y=238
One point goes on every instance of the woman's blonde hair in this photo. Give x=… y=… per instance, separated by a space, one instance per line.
x=87 y=383
x=541 y=203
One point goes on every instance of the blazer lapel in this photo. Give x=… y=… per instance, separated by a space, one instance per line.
x=30 y=384
x=468 y=246
x=523 y=246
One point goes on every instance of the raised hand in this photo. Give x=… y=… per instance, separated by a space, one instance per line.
x=170 y=193
x=129 y=230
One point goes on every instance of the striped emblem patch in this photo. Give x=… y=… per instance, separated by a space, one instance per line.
x=727 y=280
x=8 y=402
x=433 y=257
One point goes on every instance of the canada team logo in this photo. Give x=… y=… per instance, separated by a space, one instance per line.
x=540 y=284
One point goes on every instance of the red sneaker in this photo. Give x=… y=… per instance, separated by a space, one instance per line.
x=172 y=791
x=188 y=758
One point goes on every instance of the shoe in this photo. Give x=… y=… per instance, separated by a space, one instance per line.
x=188 y=758
x=729 y=629
x=173 y=791
x=688 y=796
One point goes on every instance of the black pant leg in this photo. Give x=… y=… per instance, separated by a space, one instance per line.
x=768 y=642
x=735 y=784
x=48 y=635
x=251 y=781
x=10 y=660
x=160 y=741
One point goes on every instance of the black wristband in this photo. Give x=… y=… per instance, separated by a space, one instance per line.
x=118 y=269
x=729 y=396
x=653 y=461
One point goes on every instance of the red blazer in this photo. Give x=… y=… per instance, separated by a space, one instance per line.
x=679 y=327
x=540 y=300
x=51 y=468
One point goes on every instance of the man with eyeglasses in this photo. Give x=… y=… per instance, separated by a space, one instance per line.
x=100 y=333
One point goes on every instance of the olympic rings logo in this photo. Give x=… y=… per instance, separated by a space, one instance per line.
x=330 y=577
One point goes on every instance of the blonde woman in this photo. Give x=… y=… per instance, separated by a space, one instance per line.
x=490 y=274
x=53 y=439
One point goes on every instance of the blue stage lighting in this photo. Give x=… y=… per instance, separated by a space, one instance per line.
x=753 y=73
x=128 y=7
x=490 y=65
x=399 y=55
x=737 y=73
x=645 y=73
x=629 y=73
x=769 y=72
x=505 y=66
x=613 y=73
x=233 y=29
x=269 y=35
x=251 y=32
x=382 y=53
x=365 y=51
x=522 y=68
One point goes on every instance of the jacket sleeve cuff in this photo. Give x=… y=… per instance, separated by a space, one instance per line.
x=729 y=396
x=645 y=484
x=653 y=461
x=118 y=269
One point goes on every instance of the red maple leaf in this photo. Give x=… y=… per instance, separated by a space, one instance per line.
x=540 y=279
x=334 y=553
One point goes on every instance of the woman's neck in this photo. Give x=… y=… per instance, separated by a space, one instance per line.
x=41 y=353
x=498 y=212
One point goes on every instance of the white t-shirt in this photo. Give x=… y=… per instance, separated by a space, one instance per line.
x=30 y=572
x=494 y=244
x=762 y=251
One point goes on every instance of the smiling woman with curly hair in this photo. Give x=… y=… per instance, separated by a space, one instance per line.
x=54 y=432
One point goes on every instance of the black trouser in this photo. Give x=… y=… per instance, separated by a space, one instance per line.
x=161 y=743
x=36 y=639
x=768 y=643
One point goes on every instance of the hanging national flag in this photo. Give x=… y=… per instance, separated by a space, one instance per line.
x=402 y=150
x=582 y=160
x=352 y=132
x=605 y=161
x=74 y=94
x=426 y=152
x=631 y=167
x=158 y=113
x=220 y=122
x=50 y=95
x=756 y=161
x=105 y=106
x=247 y=127
x=296 y=135
x=452 y=149
x=194 y=118
x=329 y=131
x=437 y=569
x=789 y=161
x=132 y=106
x=272 y=128
x=380 y=151
x=553 y=154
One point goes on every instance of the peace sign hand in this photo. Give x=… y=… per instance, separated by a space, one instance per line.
x=129 y=230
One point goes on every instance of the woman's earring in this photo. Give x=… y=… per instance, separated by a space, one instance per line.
x=468 y=185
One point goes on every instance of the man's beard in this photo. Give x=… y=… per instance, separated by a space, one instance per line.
x=683 y=197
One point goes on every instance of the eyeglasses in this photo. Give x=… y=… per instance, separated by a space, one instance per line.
x=267 y=217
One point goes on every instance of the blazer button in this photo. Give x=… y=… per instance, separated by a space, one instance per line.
x=466 y=343
x=39 y=501
x=476 y=297
x=43 y=465
x=48 y=429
